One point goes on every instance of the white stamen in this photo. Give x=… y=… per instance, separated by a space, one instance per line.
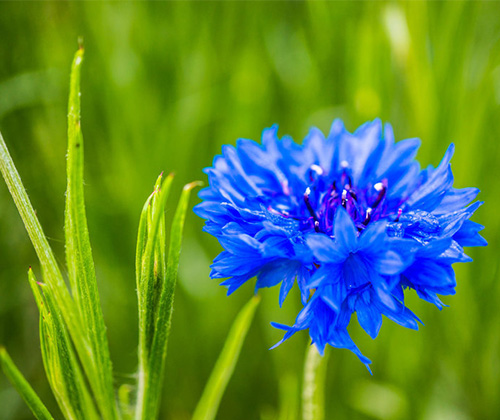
x=318 y=169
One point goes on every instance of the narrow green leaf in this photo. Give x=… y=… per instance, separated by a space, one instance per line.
x=23 y=387
x=28 y=215
x=142 y=238
x=51 y=273
x=79 y=255
x=149 y=284
x=164 y=316
x=60 y=361
x=150 y=261
x=94 y=364
x=209 y=403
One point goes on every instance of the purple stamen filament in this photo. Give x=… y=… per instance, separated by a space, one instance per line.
x=310 y=209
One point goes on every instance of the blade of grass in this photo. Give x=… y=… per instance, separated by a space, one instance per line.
x=150 y=280
x=59 y=359
x=150 y=391
x=153 y=217
x=33 y=227
x=142 y=238
x=209 y=402
x=79 y=253
x=23 y=387
x=54 y=280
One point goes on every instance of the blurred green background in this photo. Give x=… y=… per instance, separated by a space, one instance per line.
x=164 y=86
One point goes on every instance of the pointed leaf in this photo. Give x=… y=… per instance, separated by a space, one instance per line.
x=79 y=254
x=23 y=387
x=60 y=361
x=209 y=403
x=152 y=366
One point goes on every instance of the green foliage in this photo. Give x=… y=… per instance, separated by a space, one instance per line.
x=79 y=259
x=156 y=282
x=23 y=387
x=209 y=402
x=61 y=365
x=61 y=314
x=69 y=323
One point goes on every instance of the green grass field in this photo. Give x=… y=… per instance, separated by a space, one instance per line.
x=164 y=86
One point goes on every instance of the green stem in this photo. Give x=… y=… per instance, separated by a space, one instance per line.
x=313 y=387
x=23 y=387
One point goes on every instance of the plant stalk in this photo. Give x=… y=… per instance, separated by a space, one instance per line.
x=313 y=386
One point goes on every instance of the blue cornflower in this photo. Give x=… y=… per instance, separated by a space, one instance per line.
x=351 y=217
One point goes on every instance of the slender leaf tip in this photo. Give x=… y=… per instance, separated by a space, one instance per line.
x=192 y=185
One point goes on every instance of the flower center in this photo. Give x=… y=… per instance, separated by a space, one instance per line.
x=326 y=194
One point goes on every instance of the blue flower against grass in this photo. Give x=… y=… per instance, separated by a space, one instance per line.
x=350 y=217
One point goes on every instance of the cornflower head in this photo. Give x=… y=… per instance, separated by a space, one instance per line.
x=350 y=217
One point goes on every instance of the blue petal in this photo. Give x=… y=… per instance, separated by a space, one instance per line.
x=345 y=231
x=468 y=234
x=325 y=249
x=391 y=263
x=429 y=195
x=451 y=222
x=326 y=274
x=373 y=237
x=456 y=199
x=369 y=318
x=401 y=315
x=340 y=338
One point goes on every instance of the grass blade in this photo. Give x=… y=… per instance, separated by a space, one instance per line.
x=56 y=285
x=151 y=386
x=79 y=254
x=209 y=403
x=150 y=265
x=28 y=215
x=149 y=278
x=54 y=281
x=23 y=387
x=59 y=359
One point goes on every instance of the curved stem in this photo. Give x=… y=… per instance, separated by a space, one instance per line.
x=313 y=392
